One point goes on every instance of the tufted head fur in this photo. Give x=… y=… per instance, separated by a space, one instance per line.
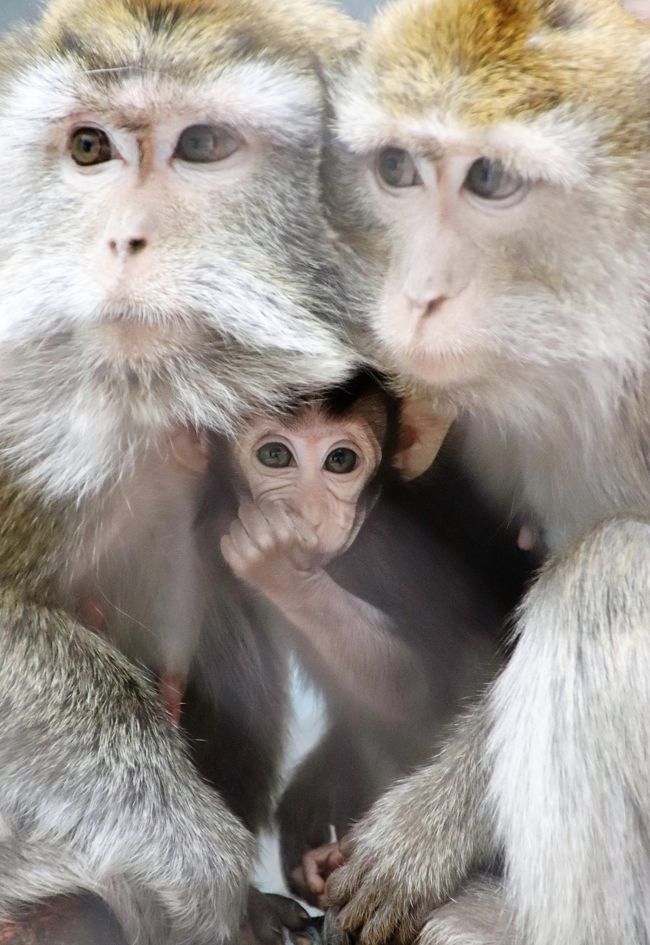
x=147 y=291
x=527 y=307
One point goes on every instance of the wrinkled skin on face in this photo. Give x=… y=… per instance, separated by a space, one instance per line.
x=316 y=468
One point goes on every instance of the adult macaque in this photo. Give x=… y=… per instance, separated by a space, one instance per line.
x=163 y=258
x=387 y=618
x=504 y=155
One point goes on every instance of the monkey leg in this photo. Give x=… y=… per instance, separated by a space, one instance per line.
x=418 y=843
x=477 y=916
x=97 y=794
x=305 y=812
x=570 y=742
x=331 y=787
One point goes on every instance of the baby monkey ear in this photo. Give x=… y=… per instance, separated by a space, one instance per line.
x=422 y=431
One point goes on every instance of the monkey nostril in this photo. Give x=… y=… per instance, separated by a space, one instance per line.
x=127 y=247
x=434 y=305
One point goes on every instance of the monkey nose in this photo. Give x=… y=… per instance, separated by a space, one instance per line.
x=433 y=306
x=130 y=246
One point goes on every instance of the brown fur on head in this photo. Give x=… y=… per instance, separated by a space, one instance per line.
x=526 y=307
x=196 y=34
x=488 y=60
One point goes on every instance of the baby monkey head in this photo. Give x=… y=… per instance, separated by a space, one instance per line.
x=161 y=222
x=328 y=459
x=501 y=153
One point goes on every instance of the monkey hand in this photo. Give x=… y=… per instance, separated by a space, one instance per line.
x=384 y=893
x=415 y=847
x=273 y=549
x=317 y=866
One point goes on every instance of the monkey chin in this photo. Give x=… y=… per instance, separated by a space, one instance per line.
x=124 y=336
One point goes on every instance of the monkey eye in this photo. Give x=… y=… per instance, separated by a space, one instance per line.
x=489 y=180
x=206 y=144
x=91 y=146
x=274 y=455
x=397 y=168
x=341 y=460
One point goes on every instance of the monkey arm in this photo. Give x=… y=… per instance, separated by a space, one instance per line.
x=96 y=792
x=419 y=842
x=356 y=647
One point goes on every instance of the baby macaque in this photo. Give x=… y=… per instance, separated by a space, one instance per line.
x=387 y=620
x=313 y=479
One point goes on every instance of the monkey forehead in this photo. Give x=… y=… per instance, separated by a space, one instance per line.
x=574 y=73
x=311 y=424
x=191 y=35
x=283 y=101
x=256 y=61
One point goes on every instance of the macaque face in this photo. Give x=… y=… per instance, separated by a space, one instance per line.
x=318 y=466
x=487 y=158
x=157 y=163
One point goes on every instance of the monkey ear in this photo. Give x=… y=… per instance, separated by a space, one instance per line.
x=422 y=431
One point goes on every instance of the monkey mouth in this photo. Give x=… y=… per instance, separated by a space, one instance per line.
x=125 y=334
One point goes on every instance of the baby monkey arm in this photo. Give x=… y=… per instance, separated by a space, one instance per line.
x=278 y=553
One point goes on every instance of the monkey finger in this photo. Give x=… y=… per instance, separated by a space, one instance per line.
x=241 y=541
x=381 y=927
x=409 y=925
x=232 y=558
x=346 y=846
x=283 y=520
x=313 y=863
x=255 y=525
x=363 y=904
x=343 y=884
x=335 y=860
x=298 y=886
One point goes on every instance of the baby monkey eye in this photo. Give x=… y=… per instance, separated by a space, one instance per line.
x=341 y=460
x=489 y=180
x=397 y=168
x=90 y=146
x=206 y=144
x=274 y=455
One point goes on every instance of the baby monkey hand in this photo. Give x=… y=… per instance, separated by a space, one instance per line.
x=317 y=866
x=272 y=548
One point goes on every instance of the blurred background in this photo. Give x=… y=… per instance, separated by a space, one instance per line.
x=12 y=10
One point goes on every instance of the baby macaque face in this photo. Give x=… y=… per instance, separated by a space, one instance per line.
x=315 y=464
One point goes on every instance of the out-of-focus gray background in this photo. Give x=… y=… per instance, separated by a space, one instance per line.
x=12 y=10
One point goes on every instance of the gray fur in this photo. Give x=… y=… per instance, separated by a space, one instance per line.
x=96 y=790
x=555 y=405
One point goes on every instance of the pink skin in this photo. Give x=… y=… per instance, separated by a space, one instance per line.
x=189 y=452
x=325 y=502
x=317 y=865
x=300 y=518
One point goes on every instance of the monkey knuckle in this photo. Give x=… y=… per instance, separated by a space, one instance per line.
x=267 y=544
